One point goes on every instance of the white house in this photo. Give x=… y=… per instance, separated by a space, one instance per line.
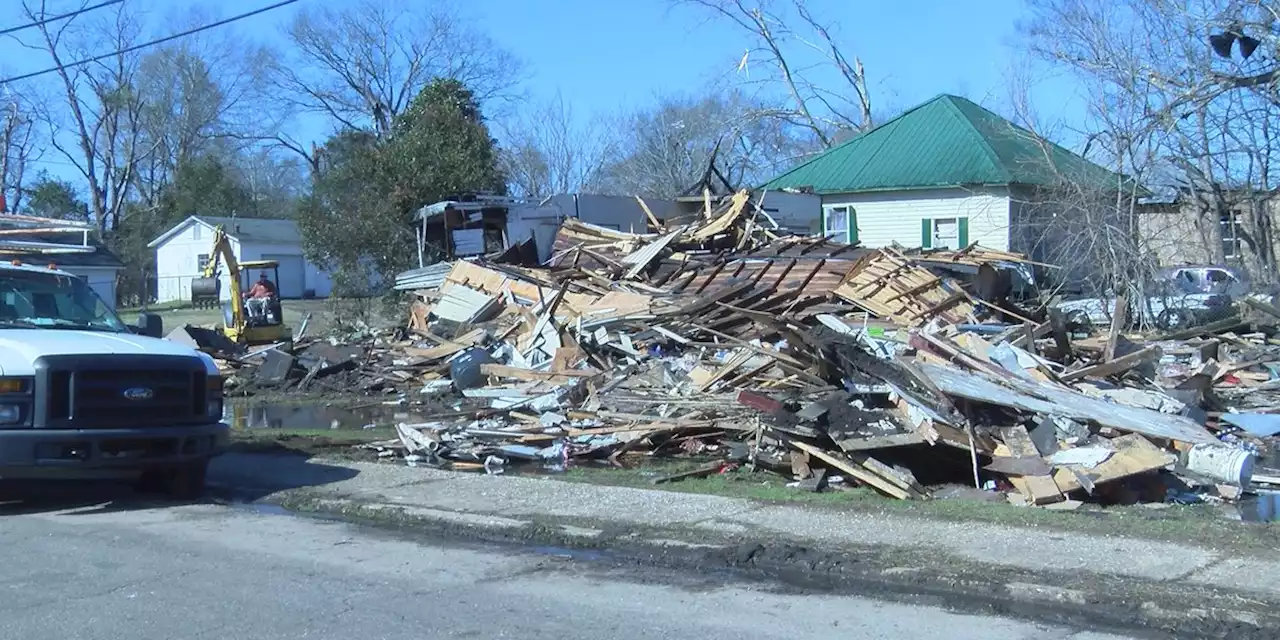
x=100 y=268
x=183 y=251
x=942 y=175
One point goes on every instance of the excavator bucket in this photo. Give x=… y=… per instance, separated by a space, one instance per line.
x=204 y=287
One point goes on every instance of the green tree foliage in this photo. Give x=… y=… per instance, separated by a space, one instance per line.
x=49 y=197
x=359 y=217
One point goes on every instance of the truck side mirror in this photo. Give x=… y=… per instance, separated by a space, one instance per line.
x=150 y=325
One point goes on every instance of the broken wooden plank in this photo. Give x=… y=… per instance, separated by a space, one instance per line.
x=1119 y=316
x=519 y=373
x=1050 y=399
x=1038 y=488
x=1133 y=455
x=859 y=472
x=1116 y=366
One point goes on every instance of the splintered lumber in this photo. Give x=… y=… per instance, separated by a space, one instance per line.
x=1038 y=488
x=1134 y=454
x=890 y=286
x=737 y=205
x=506 y=371
x=701 y=472
x=640 y=260
x=1051 y=399
x=1116 y=366
x=1119 y=315
x=496 y=283
x=888 y=486
x=449 y=348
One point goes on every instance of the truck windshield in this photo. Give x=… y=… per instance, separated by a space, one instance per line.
x=46 y=300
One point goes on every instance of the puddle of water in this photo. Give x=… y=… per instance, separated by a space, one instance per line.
x=314 y=416
x=1260 y=508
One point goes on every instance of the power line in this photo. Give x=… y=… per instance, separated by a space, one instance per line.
x=69 y=14
x=144 y=45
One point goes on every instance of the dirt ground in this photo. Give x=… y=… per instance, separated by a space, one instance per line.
x=322 y=314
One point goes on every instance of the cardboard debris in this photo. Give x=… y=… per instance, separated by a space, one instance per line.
x=830 y=365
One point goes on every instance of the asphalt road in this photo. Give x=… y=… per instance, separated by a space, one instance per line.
x=209 y=571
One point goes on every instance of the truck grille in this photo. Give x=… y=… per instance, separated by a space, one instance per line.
x=88 y=392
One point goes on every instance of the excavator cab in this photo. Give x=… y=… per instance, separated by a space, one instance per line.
x=239 y=324
x=267 y=326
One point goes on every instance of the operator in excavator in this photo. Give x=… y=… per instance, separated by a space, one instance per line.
x=257 y=298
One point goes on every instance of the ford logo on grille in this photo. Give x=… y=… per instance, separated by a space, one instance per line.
x=138 y=393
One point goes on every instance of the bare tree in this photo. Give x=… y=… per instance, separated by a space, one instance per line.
x=546 y=150
x=18 y=149
x=361 y=65
x=1201 y=76
x=1084 y=218
x=204 y=95
x=666 y=149
x=99 y=128
x=794 y=45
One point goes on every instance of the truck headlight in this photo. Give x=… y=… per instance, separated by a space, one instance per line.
x=213 y=407
x=10 y=413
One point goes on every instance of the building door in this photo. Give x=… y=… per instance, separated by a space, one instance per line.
x=293 y=275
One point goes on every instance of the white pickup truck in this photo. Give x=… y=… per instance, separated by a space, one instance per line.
x=83 y=396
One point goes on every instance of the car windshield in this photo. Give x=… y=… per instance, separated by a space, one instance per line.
x=48 y=300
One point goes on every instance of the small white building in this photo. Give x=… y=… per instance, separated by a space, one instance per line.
x=183 y=251
x=101 y=269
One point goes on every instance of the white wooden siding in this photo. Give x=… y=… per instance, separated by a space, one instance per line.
x=314 y=278
x=885 y=218
x=101 y=279
x=177 y=263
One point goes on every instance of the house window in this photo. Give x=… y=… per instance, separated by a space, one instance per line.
x=201 y=261
x=1230 y=226
x=840 y=223
x=944 y=233
x=195 y=232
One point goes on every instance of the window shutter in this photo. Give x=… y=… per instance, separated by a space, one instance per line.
x=963 y=232
x=926 y=233
x=853 y=226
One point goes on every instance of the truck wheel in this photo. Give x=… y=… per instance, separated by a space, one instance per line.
x=184 y=482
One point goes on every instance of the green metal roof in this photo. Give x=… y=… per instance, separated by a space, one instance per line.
x=945 y=142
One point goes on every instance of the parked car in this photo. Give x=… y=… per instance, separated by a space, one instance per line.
x=1180 y=297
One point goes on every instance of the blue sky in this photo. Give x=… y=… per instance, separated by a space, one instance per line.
x=606 y=56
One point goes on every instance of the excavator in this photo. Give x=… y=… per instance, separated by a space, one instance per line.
x=238 y=324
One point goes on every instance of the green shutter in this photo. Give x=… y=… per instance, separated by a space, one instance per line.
x=926 y=233
x=963 y=232
x=853 y=226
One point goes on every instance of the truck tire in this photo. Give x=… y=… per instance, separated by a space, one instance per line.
x=1174 y=319
x=184 y=482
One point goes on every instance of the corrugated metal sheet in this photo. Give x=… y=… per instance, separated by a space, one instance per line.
x=428 y=277
x=945 y=142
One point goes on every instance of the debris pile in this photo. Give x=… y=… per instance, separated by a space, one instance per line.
x=829 y=364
